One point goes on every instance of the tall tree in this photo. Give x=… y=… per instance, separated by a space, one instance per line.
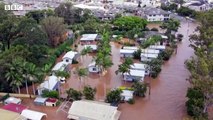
x=81 y=72
x=54 y=28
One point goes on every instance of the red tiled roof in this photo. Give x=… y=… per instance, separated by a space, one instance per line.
x=53 y=100
x=14 y=107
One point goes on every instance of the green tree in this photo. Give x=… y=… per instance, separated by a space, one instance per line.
x=114 y=96
x=89 y=92
x=54 y=28
x=139 y=88
x=125 y=66
x=81 y=72
x=154 y=67
x=38 y=15
x=130 y=22
x=74 y=94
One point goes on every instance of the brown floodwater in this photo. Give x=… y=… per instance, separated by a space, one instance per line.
x=168 y=91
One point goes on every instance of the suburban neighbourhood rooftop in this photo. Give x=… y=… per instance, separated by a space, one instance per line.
x=89 y=37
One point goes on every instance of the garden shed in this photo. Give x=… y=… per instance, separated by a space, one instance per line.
x=40 y=101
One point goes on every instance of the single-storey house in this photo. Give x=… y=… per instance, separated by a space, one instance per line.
x=92 y=110
x=148 y=56
x=127 y=94
x=9 y=115
x=40 y=101
x=32 y=115
x=51 y=102
x=69 y=56
x=93 y=68
x=93 y=47
x=130 y=48
x=158 y=47
x=134 y=75
x=60 y=66
x=51 y=84
x=126 y=53
x=12 y=100
x=88 y=38
x=139 y=66
x=150 y=51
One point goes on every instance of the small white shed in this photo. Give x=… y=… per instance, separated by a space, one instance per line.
x=151 y=51
x=93 y=47
x=88 y=37
x=158 y=47
x=60 y=66
x=139 y=66
x=126 y=53
x=127 y=94
x=69 y=56
x=93 y=68
x=134 y=75
x=130 y=47
x=12 y=100
x=148 y=56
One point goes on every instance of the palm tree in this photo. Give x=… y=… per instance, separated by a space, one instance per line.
x=85 y=51
x=81 y=72
x=125 y=66
x=14 y=74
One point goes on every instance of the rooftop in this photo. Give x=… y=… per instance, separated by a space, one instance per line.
x=92 y=110
x=88 y=37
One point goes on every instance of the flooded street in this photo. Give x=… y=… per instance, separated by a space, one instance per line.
x=168 y=91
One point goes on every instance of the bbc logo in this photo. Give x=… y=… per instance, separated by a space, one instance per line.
x=13 y=7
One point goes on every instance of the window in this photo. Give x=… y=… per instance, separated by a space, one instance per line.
x=94 y=69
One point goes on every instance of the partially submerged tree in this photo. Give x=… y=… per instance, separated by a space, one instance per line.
x=139 y=88
x=89 y=92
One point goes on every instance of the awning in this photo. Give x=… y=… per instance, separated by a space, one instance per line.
x=14 y=107
x=32 y=115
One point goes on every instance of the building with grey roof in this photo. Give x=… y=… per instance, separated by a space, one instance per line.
x=155 y=14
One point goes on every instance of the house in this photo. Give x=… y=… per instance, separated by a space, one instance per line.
x=126 y=53
x=150 y=51
x=92 y=110
x=9 y=115
x=88 y=38
x=150 y=3
x=158 y=47
x=148 y=56
x=12 y=100
x=134 y=75
x=93 y=47
x=198 y=5
x=33 y=115
x=60 y=66
x=93 y=68
x=69 y=56
x=51 y=84
x=127 y=94
x=51 y=102
x=155 y=14
x=40 y=101
x=130 y=48
x=139 y=66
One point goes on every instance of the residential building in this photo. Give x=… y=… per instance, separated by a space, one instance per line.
x=155 y=14
x=134 y=75
x=92 y=110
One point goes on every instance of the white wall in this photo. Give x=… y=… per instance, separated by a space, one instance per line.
x=156 y=18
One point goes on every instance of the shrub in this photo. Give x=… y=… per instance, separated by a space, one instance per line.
x=131 y=101
x=58 y=103
x=89 y=92
x=114 y=96
x=51 y=94
x=154 y=67
x=166 y=54
x=137 y=54
x=74 y=94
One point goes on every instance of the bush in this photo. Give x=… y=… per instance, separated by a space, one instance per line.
x=154 y=67
x=89 y=92
x=74 y=94
x=114 y=96
x=131 y=101
x=58 y=103
x=50 y=94
x=165 y=55
x=137 y=54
